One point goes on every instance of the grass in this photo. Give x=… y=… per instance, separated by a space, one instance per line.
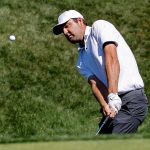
x=135 y=144
x=41 y=93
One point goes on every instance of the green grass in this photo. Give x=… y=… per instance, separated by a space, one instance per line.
x=42 y=94
x=140 y=144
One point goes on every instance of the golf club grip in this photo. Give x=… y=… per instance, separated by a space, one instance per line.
x=106 y=119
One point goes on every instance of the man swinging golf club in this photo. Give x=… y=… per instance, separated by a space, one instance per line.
x=108 y=64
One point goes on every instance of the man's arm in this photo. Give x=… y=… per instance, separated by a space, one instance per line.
x=112 y=71
x=112 y=67
x=100 y=92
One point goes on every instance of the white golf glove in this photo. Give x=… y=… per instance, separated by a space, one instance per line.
x=114 y=102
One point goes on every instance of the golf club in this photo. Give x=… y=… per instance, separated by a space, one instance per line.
x=106 y=119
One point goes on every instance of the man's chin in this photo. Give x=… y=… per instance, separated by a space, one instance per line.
x=73 y=41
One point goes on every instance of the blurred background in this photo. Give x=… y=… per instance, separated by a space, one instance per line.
x=41 y=93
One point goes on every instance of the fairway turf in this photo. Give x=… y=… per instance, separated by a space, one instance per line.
x=128 y=144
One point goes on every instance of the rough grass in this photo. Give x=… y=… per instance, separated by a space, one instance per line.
x=41 y=93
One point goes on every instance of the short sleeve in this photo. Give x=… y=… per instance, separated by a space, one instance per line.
x=105 y=32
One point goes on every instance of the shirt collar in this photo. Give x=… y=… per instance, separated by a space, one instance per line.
x=86 y=35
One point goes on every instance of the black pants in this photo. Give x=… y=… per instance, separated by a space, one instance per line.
x=130 y=116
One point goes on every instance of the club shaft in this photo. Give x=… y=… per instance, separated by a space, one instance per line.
x=106 y=119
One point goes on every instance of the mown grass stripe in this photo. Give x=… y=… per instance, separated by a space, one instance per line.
x=134 y=144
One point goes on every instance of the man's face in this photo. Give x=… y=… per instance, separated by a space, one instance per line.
x=74 y=31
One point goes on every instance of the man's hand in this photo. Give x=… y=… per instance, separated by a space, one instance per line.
x=108 y=111
x=114 y=102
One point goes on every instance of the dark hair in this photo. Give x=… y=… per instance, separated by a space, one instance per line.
x=75 y=20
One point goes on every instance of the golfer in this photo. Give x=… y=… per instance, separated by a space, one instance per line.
x=108 y=64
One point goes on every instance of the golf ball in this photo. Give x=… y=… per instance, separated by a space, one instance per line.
x=12 y=37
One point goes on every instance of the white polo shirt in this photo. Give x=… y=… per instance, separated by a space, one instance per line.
x=91 y=58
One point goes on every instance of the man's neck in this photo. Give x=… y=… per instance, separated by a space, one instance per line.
x=81 y=44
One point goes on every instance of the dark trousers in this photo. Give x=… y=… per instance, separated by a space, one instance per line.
x=130 y=116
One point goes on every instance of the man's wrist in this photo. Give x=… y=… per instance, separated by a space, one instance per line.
x=112 y=90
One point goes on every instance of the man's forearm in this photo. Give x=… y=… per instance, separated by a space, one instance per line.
x=98 y=95
x=99 y=90
x=112 y=68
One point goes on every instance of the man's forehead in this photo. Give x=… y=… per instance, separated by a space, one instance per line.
x=70 y=21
